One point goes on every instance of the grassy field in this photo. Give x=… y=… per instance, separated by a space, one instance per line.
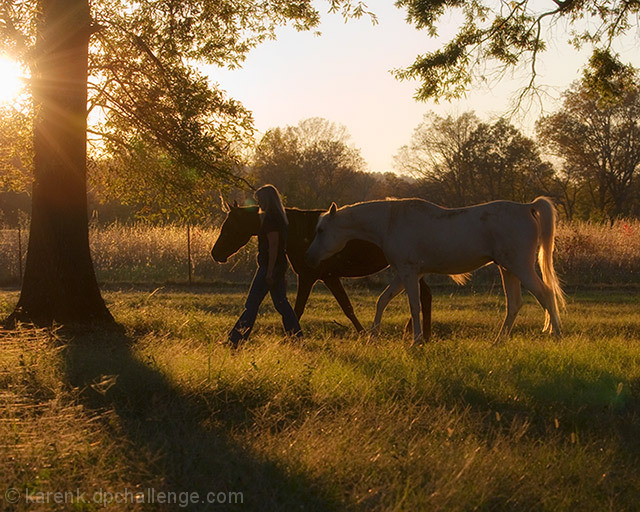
x=144 y=417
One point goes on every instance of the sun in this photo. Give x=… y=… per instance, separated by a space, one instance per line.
x=12 y=81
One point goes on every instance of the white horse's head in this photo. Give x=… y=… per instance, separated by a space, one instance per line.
x=329 y=238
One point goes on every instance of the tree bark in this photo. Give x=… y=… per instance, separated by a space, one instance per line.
x=59 y=281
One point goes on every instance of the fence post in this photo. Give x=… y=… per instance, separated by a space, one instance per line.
x=189 y=251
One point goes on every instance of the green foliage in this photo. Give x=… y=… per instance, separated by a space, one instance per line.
x=494 y=37
x=16 y=152
x=608 y=78
x=461 y=161
x=158 y=188
x=312 y=164
x=597 y=137
x=153 y=97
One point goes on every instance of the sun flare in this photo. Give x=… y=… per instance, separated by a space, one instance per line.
x=12 y=81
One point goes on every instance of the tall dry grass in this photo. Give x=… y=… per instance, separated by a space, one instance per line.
x=586 y=253
x=599 y=253
x=143 y=253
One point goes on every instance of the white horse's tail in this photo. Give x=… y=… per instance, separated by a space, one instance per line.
x=545 y=214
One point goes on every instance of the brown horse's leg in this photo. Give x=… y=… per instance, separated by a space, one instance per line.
x=334 y=284
x=425 y=301
x=305 y=284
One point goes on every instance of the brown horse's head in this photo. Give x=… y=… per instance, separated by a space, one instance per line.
x=240 y=225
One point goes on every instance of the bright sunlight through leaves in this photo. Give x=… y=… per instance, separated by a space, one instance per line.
x=11 y=81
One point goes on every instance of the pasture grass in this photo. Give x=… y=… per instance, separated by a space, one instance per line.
x=334 y=421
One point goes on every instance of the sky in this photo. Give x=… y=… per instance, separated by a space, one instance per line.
x=344 y=76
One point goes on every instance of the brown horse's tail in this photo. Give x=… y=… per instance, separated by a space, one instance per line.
x=545 y=214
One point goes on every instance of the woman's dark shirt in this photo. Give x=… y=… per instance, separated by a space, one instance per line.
x=273 y=222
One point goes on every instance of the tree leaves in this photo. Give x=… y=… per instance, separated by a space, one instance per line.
x=313 y=162
x=494 y=37
x=145 y=90
x=462 y=161
x=596 y=134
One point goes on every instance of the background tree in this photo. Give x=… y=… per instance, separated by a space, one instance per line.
x=312 y=164
x=502 y=163
x=389 y=184
x=16 y=149
x=495 y=37
x=141 y=66
x=596 y=136
x=436 y=157
x=461 y=161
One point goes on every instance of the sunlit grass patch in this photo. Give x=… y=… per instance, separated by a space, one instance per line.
x=49 y=441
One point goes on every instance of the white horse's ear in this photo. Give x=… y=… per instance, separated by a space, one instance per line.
x=333 y=209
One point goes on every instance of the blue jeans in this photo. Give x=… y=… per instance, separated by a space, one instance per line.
x=257 y=293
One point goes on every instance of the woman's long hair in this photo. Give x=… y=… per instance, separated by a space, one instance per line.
x=270 y=201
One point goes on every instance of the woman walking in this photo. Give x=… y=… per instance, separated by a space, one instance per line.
x=272 y=266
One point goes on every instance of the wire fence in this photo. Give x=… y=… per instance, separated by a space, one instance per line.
x=140 y=253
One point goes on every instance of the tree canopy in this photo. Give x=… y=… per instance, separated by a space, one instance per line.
x=145 y=89
x=494 y=37
x=596 y=137
x=312 y=163
x=461 y=161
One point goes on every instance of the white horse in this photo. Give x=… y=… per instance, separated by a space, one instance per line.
x=419 y=237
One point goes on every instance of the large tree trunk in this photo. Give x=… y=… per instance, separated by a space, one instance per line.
x=59 y=281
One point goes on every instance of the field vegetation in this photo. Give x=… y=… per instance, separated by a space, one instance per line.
x=332 y=422
x=587 y=253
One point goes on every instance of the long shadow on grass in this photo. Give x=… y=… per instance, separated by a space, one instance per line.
x=184 y=442
x=599 y=405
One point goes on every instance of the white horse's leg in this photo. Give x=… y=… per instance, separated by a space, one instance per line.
x=386 y=296
x=544 y=294
x=513 y=295
x=413 y=293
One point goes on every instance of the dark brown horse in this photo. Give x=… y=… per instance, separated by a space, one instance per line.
x=357 y=259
